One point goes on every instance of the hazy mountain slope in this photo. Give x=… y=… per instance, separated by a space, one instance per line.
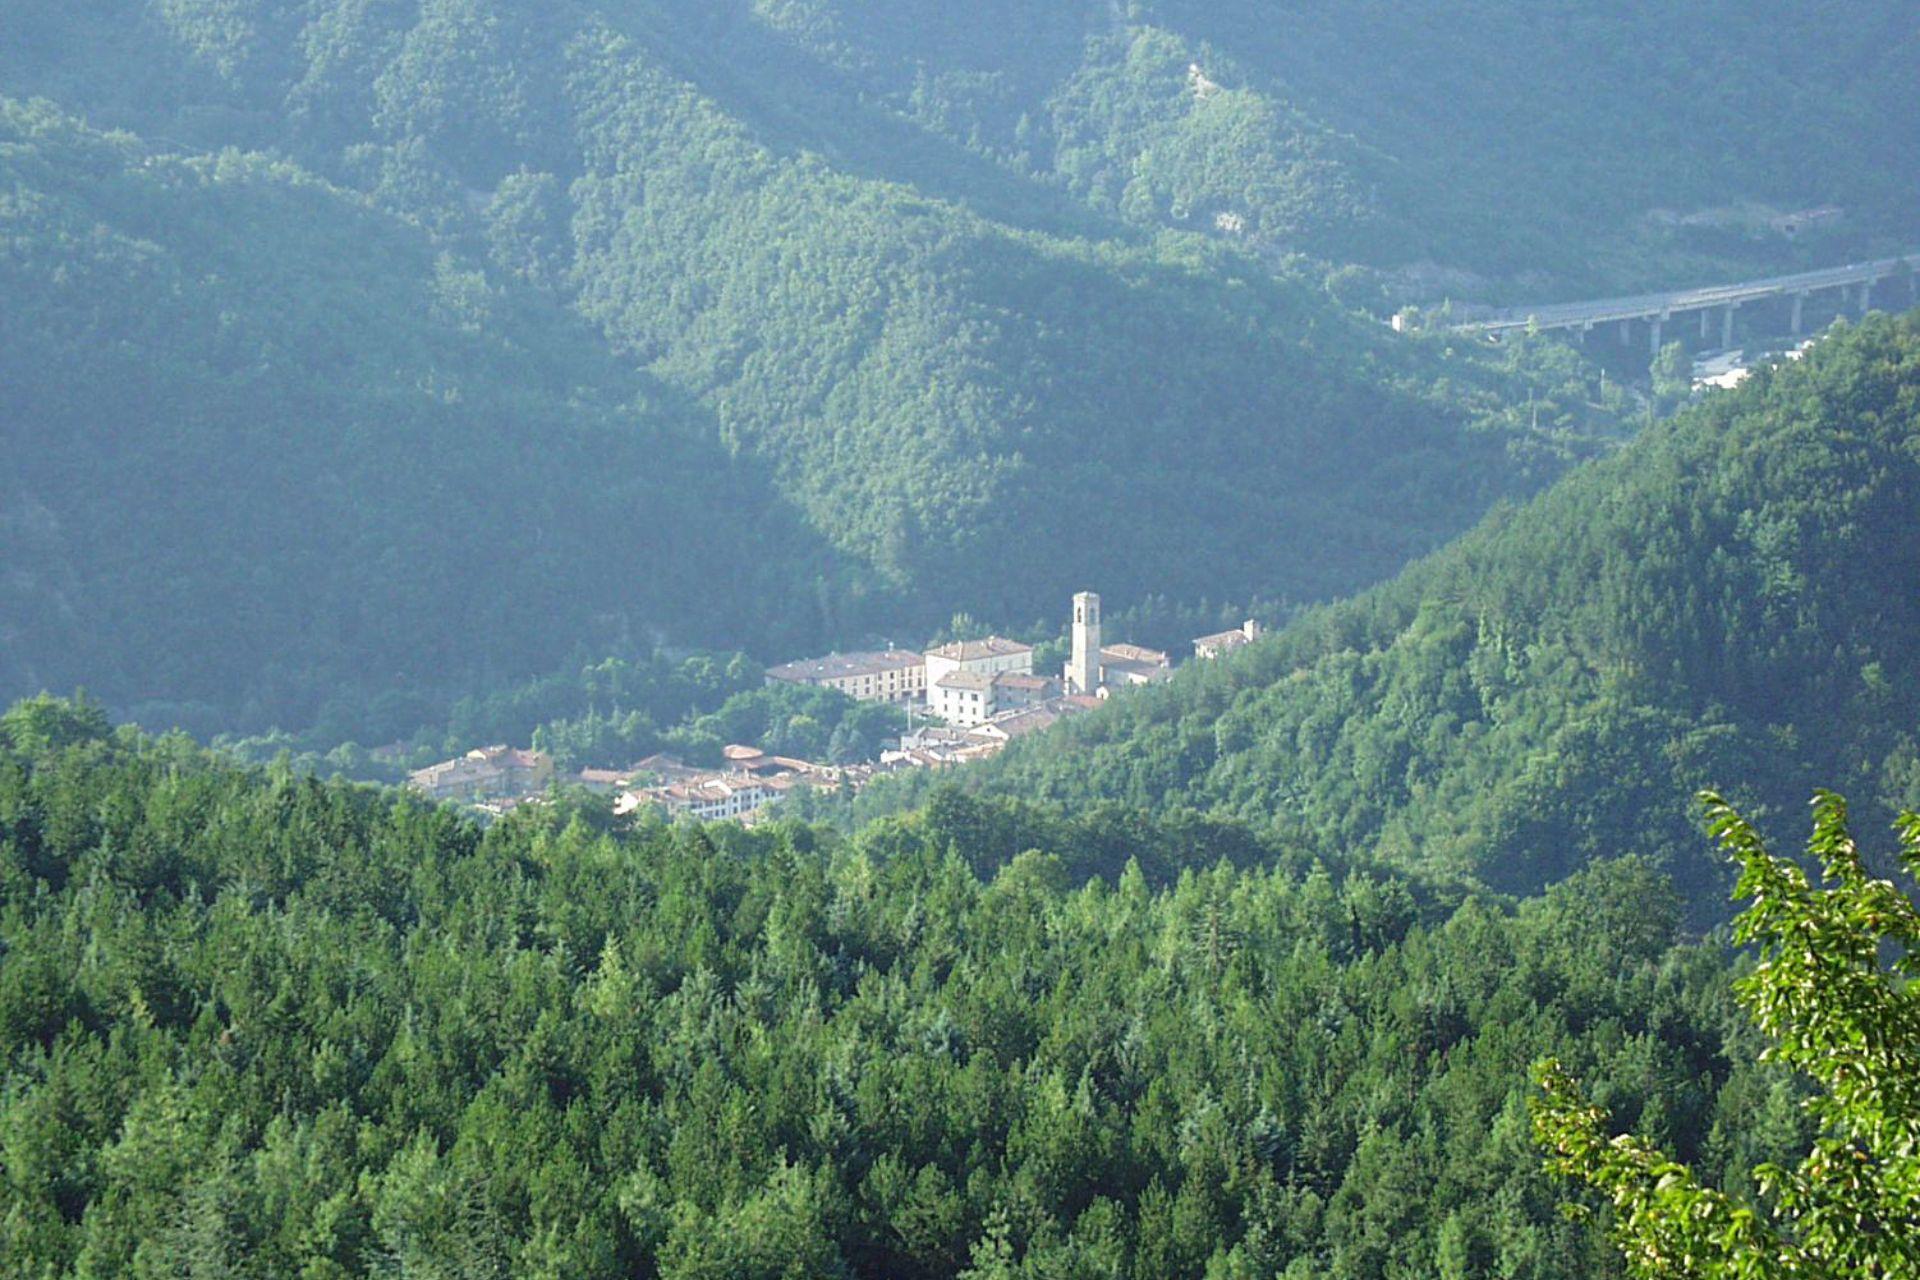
x=266 y=443
x=1531 y=140
x=1726 y=603
x=1528 y=144
x=934 y=388
x=1492 y=145
x=855 y=397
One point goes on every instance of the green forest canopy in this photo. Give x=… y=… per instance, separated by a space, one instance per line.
x=261 y=1025
x=1385 y=134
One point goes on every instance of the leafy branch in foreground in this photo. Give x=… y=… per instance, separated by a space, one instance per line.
x=1836 y=1012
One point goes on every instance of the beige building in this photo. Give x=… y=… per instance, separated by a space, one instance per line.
x=1013 y=690
x=485 y=771
x=1226 y=642
x=749 y=781
x=1130 y=664
x=606 y=781
x=892 y=675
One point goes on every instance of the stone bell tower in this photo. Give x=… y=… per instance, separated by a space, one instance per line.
x=1083 y=668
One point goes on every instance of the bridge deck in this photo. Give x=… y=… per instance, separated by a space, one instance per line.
x=1647 y=306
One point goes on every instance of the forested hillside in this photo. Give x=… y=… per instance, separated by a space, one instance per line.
x=264 y=443
x=256 y=1025
x=1625 y=145
x=397 y=347
x=1479 y=147
x=1728 y=602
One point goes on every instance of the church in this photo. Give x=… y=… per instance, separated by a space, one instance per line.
x=1097 y=669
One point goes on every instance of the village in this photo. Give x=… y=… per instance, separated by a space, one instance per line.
x=964 y=702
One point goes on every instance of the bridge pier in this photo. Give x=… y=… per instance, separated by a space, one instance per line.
x=1626 y=333
x=1866 y=291
x=1799 y=299
x=1706 y=318
x=1726 y=329
x=1653 y=333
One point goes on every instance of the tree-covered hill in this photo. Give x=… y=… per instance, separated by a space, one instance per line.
x=256 y=1025
x=266 y=446
x=413 y=347
x=1589 y=145
x=1729 y=601
x=1592 y=145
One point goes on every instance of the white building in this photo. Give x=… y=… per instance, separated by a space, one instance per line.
x=712 y=797
x=960 y=676
x=968 y=698
x=962 y=697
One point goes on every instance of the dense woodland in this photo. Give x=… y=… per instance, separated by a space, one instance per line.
x=1368 y=133
x=1726 y=603
x=255 y=1024
x=405 y=375
x=780 y=326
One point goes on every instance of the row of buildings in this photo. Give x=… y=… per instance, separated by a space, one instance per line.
x=971 y=682
x=499 y=779
x=748 y=781
x=485 y=773
x=985 y=694
x=942 y=746
x=489 y=774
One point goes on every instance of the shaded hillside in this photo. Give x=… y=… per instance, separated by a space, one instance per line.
x=1396 y=134
x=515 y=328
x=266 y=446
x=259 y=1026
x=1728 y=602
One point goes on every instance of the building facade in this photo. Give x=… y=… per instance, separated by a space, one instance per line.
x=1225 y=642
x=1122 y=665
x=890 y=675
x=485 y=771
x=962 y=698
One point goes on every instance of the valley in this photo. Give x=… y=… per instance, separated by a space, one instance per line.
x=1136 y=640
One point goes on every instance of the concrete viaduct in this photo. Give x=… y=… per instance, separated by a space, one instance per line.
x=1658 y=309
